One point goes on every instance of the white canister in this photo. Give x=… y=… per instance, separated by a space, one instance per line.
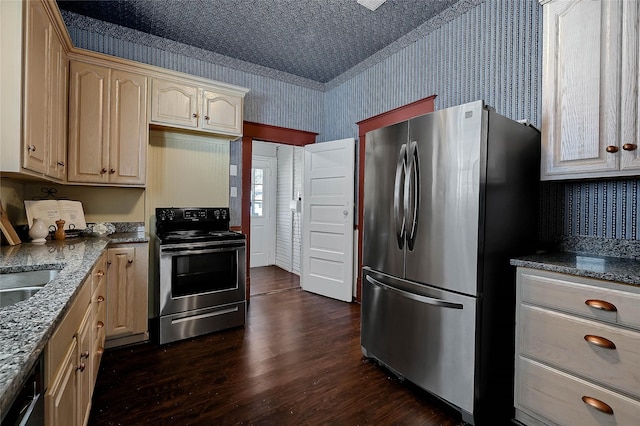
x=38 y=231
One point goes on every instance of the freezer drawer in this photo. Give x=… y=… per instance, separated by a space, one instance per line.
x=423 y=334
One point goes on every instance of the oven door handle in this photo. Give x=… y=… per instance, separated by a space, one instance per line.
x=200 y=250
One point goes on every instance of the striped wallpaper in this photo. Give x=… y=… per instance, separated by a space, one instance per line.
x=491 y=51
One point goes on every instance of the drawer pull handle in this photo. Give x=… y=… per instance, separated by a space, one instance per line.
x=598 y=405
x=601 y=304
x=600 y=341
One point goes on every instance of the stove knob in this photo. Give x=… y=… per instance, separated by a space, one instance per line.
x=216 y=213
x=171 y=214
x=224 y=214
x=162 y=215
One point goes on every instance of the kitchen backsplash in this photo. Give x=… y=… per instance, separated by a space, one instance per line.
x=605 y=209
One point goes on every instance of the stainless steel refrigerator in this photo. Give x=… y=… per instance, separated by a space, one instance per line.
x=449 y=198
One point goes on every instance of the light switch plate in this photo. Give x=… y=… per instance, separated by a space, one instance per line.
x=234 y=191
x=233 y=170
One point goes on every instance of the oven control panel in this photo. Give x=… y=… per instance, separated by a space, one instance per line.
x=195 y=214
x=208 y=214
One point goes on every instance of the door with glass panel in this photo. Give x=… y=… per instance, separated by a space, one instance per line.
x=263 y=215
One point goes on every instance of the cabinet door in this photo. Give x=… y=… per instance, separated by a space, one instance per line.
x=630 y=114
x=127 y=294
x=88 y=123
x=57 y=148
x=221 y=113
x=36 y=87
x=129 y=130
x=61 y=398
x=174 y=104
x=581 y=77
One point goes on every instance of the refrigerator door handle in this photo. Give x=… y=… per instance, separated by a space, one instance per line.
x=416 y=297
x=412 y=193
x=398 y=211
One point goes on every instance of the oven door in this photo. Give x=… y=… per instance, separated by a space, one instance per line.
x=201 y=275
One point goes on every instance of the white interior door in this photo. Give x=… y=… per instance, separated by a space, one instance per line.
x=263 y=215
x=327 y=219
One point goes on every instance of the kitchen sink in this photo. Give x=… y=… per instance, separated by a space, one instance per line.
x=17 y=286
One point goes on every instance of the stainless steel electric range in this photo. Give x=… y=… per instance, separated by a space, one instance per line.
x=201 y=272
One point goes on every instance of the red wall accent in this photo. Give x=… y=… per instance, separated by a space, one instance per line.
x=415 y=109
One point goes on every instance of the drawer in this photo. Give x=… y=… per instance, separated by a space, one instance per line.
x=559 y=340
x=558 y=398
x=583 y=296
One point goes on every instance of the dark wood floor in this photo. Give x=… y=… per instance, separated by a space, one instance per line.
x=269 y=279
x=296 y=362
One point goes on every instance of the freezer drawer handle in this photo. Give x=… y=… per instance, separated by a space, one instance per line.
x=416 y=297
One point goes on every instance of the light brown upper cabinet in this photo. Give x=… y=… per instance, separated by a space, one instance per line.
x=590 y=97
x=189 y=106
x=108 y=130
x=45 y=95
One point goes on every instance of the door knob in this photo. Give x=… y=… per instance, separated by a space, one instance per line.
x=345 y=212
x=629 y=147
x=611 y=149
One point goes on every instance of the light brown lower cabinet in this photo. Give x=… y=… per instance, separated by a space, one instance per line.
x=577 y=350
x=127 y=294
x=71 y=356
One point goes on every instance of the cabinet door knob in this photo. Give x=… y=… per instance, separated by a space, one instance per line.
x=195 y=115
x=100 y=324
x=629 y=147
x=612 y=149
x=100 y=299
x=31 y=148
x=100 y=273
x=600 y=341
x=84 y=354
x=597 y=404
x=601 y=304
x=112 y=171
x=130 y=260
x=103 y=171
x=61 y=163
x=206 y=117
x=81 y=367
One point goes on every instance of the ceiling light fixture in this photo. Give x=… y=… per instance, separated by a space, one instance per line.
x=371 y=4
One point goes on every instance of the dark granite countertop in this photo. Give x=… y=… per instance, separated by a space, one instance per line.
x=618 y=269
x=25 y=327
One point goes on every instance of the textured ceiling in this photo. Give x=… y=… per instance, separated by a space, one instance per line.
x=313 y=39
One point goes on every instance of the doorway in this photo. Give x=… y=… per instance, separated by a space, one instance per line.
x=263 y=133
x=275 y=239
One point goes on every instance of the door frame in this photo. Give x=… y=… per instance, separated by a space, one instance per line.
x=263 y=133
x=403 y=113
